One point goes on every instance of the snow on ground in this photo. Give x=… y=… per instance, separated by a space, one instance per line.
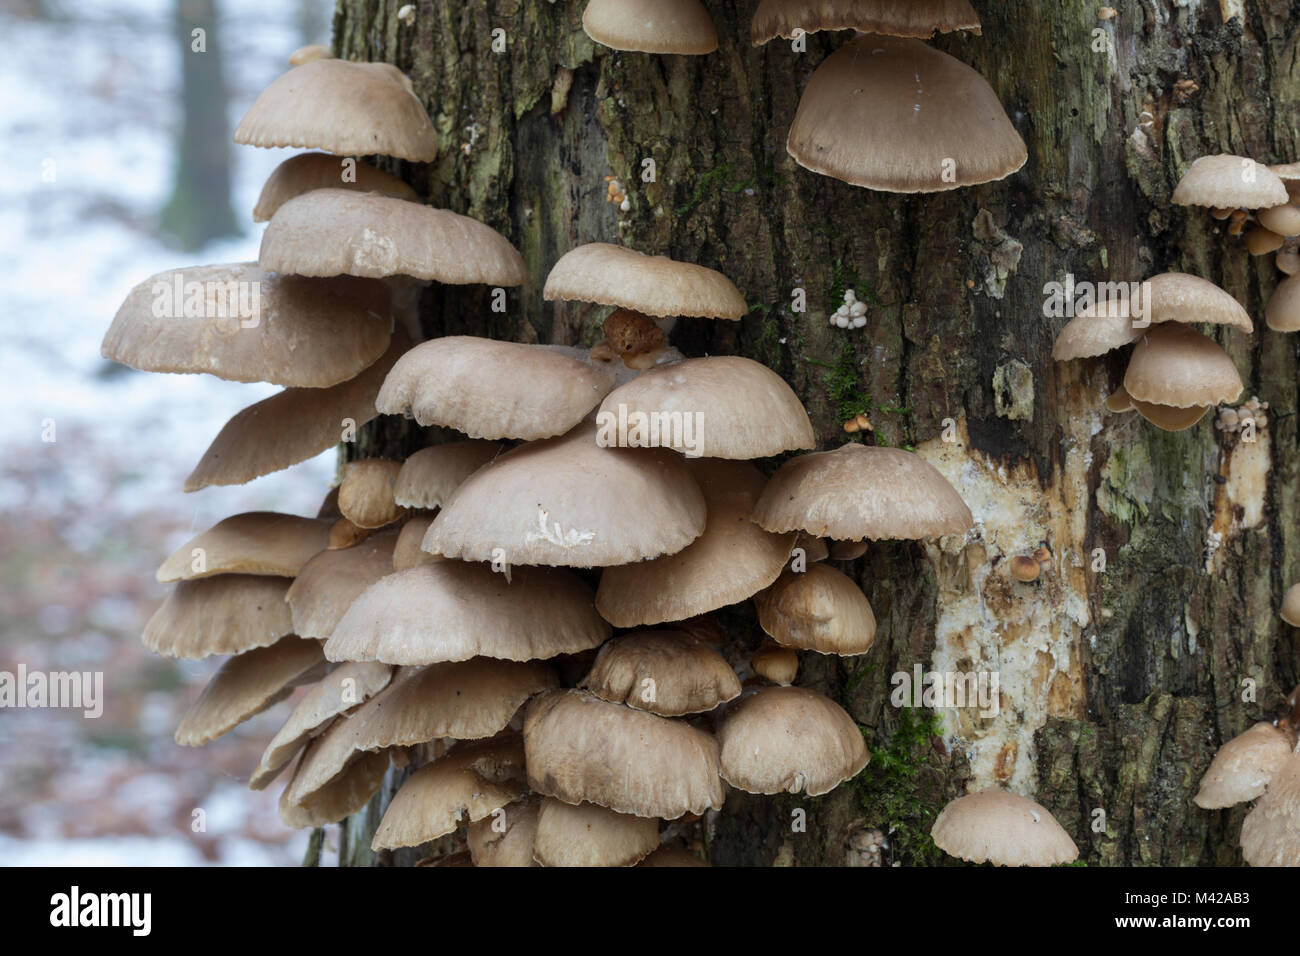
x=92 y=97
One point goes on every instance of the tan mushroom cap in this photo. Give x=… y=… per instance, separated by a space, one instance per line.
x=896 y=115
x=328 y=584
x=340 y=690
x=778 y=664
x=790 y=740
x=567 y=501
x=305 y=54
x=1168 y=417
x=1176 y=365
x=366 y=492
x=452 y=611
x=255 y=542
x=591 y=835
x=430 y=475
x=491 y=389
x=818 y=610
x=1283 y=311
x=1243 y=767
x=1283 y=220
x=343 y=794
x=351 y=109
x=1179 y=297
x=1287 y=172
x=1097 y=330
x=669 y=855
x=1290 y=611
x=297 y=333
x=723 y=406
x=246 y=685
x=665 y=672
x=1270 y=834
x=655 y=285
x=505 y=837
x=1003 y=828
x=860 y=491
x=224 y=614
x=470 y=783
x=921 y=19
x=407 y=552
x=307 y=171
x=465 y=700
x=1230 y=182
x=730 y=562
x=580 y=747
x=333 y=232
x=651 y=26
x=296 y=424
x=1119 y=401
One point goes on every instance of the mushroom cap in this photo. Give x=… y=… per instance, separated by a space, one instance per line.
x=723 y=406
x=338 y=691
x=1096 y=330
x=862 y=491
x=567 y=501
x=471 y=783
x=430 y=475
x=329 y=583
x=366 y=492
x=1270 y=834
x=778 y=664
x=1168 y=417
x=655 y=285
x=246 y=685
x=491 y=389
x=580 y=747
x=1243 y=767
x=343 y=794
x=1283 y=311
x=1119 y=401
x=1175 y=365
x=307 y=171
x=407 y=552
x=351 y=109
x=505 y=839
x=312 y=51
x=224 y=614
x=1179 y=297
x=332 y=232
x=731 y=561
x=452 y=611
x=1231 y=182
x=1290 y=611
x=255 y=542
x=651 y=26
x=895 y=114
x=899 y=18
x=1283 y=220
x=1003 y=828
x=591 y=835
x=296 y=424
x=295 y=332
x=790 y=740
x=819 y=610
x=665 y=672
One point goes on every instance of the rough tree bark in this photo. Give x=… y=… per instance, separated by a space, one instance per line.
x=1117 y=686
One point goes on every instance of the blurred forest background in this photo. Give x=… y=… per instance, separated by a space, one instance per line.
x=118 y=163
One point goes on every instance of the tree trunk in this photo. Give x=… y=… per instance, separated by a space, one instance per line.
x=1117 y=685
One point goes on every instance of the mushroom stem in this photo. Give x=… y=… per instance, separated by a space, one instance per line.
x=634 y=337
x=406 y=293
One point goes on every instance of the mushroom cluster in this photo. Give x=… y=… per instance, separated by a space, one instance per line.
x=1261 y=203
x=1261 y=765
x=852 y=314
x=1175 y=373
x=887 y=111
